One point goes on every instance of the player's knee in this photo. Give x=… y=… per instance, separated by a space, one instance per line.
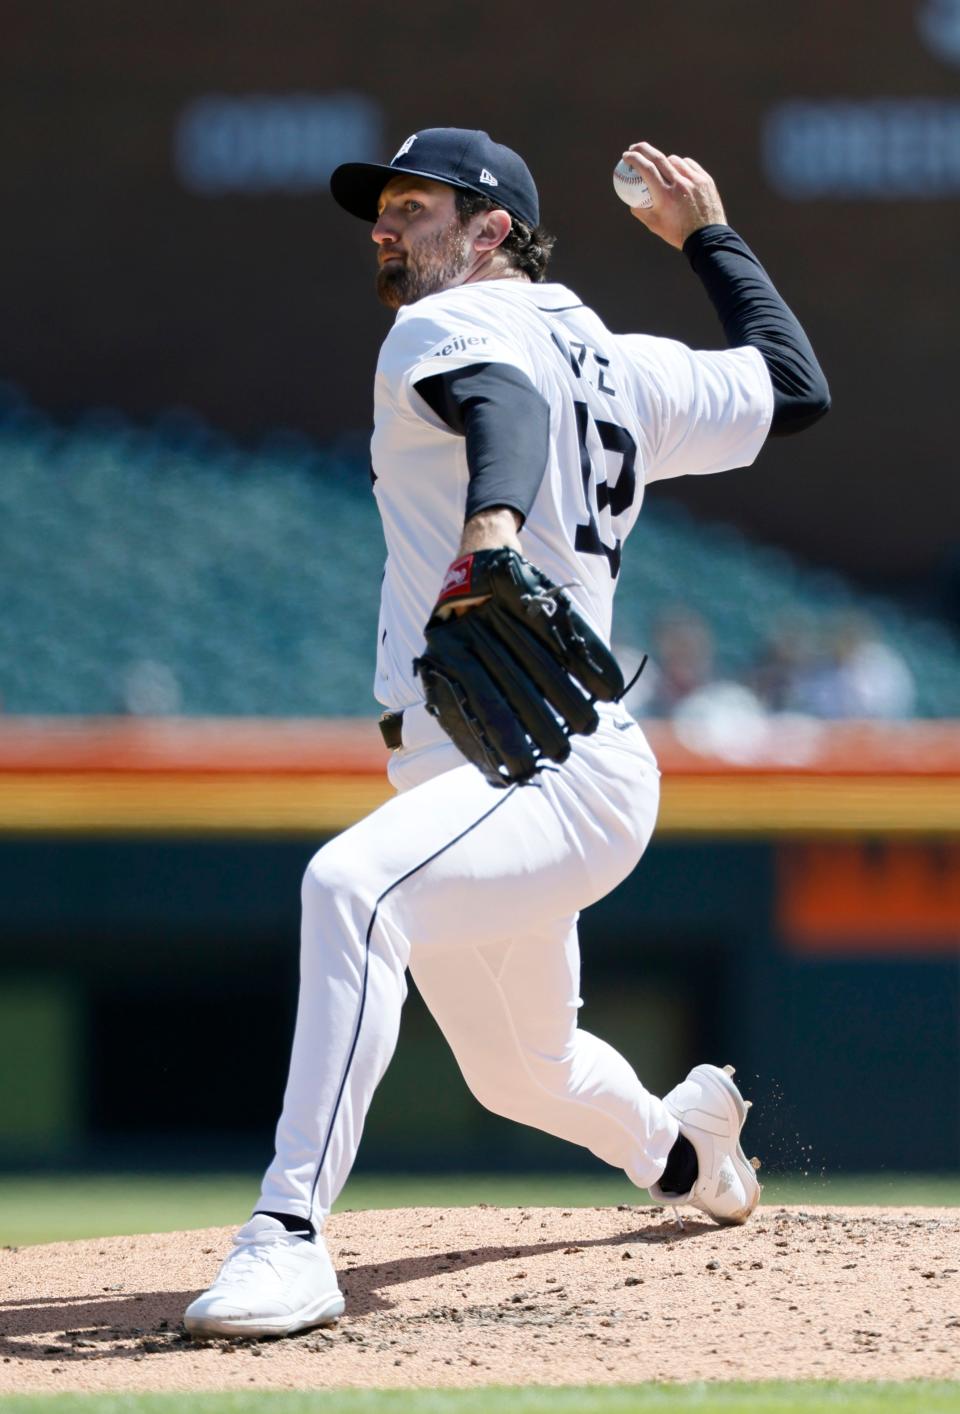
x=495 y=1093
x=501 y=1100
x=518 y=1097
x=548 y=1073
x=315 y=879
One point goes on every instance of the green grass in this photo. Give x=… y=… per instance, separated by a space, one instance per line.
x=45 y=1208
x=916 y=1397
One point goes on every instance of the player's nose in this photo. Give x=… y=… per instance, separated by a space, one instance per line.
x=384 y=230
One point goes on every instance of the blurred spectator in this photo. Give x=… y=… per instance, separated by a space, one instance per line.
x=713 y=715
x=838 y=668
x=681 y=662
x=852 y=674
x=869 y=678
x=787 y=664
x=149 y=689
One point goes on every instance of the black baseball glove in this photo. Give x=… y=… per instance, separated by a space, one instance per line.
x=502 y=677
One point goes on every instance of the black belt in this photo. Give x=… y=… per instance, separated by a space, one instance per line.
x=391 y=729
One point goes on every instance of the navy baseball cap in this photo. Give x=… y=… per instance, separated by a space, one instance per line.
x=461 y=157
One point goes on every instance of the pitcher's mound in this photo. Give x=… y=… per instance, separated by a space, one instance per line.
x=473 y=1296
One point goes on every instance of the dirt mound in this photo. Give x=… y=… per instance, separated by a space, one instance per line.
x=470 y=1296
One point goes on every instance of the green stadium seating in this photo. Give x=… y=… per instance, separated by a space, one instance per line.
x=168 y=569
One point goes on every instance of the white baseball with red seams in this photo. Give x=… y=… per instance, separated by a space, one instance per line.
x=630 y=186
x=477 y=890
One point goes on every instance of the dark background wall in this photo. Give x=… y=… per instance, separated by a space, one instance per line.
x=167 y=238
x=147 y=994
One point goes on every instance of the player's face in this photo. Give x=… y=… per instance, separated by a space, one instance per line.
x=422 y=246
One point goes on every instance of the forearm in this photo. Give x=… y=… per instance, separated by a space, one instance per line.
x=752 y=312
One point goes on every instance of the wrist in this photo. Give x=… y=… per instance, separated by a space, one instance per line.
x=702 y=235
x=491 y=529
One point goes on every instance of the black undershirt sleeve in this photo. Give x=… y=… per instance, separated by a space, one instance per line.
x=506 y=425
x=752 y=312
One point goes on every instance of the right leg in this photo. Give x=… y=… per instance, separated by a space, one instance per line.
x=508 y=1011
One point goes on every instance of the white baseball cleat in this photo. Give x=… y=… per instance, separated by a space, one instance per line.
x=712 y=1112
x=272 y=1283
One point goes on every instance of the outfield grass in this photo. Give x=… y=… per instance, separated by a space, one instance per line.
x=49 y=1209
x=917 y=1397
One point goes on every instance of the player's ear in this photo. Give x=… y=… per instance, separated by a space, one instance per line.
x=492 y=230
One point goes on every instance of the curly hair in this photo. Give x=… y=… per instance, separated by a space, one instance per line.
x=529 y=247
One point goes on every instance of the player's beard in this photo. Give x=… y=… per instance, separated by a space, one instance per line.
x=433 y=264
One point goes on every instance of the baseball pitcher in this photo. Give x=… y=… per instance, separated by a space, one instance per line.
x=514 y=437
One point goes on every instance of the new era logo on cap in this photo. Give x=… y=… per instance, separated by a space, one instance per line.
x=488 y=178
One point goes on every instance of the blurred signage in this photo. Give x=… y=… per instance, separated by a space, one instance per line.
x=898 y=896
x=880 y=149
x=939 y=24
x=160 y=245
x=261 y=143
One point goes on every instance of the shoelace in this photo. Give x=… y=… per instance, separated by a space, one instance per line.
x=262 y=1247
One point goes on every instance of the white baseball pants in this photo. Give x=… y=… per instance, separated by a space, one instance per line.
x=477 y=891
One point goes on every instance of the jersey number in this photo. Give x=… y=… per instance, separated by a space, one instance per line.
x=604 y=501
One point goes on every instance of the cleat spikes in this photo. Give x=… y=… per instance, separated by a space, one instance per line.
x=754 y=1163
x=729 y=1070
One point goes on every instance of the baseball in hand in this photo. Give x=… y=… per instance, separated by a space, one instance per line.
x=630 y=186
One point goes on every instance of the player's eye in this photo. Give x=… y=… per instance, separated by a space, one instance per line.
x=413 y=205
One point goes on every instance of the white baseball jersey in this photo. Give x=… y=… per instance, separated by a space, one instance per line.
x=624 y=410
